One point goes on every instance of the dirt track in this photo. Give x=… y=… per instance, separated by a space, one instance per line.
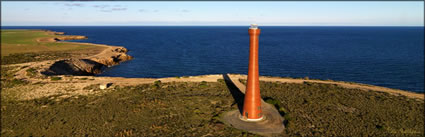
x=73 y=85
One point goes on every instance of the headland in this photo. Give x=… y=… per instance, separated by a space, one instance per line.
x=49 y=88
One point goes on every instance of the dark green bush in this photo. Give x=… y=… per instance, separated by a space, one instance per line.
x=32 y=57
x=220 y=80
x=31 y=72
x=203 y=84
x=55 y=78
x=9 y=83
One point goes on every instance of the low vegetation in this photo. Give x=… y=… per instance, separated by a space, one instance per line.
x=328 y=110
x=21 y=46
x=17 y=58
x=194 y=109
x=55 y=78
x=32 y=41
x=31 y=72
x=179 y=109
x=7 y=78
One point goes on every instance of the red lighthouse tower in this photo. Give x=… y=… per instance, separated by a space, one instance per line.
x=252 y=110
x=257 y=116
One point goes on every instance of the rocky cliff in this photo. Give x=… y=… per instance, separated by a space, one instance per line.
x=91 y=65
x=117 y=55
x=62 y=38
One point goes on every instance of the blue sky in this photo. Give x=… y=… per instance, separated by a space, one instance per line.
x=212 y=13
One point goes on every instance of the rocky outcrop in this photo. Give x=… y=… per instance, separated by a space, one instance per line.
x=81 y=67
x=113 y=60
x=90 y=66
x=62 y=38
x=58 y=33
x=113 y=56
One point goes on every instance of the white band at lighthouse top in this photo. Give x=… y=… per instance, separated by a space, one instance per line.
x=253 y=26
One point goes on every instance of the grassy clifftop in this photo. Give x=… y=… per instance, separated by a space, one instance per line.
x=20 y=46
x=24 y=41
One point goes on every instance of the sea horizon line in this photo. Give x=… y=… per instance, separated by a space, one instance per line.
x=192 y=26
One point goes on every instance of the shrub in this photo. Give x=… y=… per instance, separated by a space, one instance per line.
x=272 y=101
x=17 y=58
x=31 y=72
x=11 y=83
x=156 y=84
x=203 y=84
x=92 y=87
x=220 y=80
x=55 y=78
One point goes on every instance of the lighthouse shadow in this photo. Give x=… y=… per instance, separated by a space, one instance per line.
x=237 y=95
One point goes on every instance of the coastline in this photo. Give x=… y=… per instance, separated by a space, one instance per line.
x=112 y=55
x=70 y=103
x=88 y=66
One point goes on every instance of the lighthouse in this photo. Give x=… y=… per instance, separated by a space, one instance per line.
x=257 y=116
x=252 y=110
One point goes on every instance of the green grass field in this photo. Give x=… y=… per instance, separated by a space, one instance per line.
x=29 y=44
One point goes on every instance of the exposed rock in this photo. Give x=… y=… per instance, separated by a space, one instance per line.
x=113 y=60
x=105 y=86
x=124 y=57
x=70 y=38
x=59 y=33
x=115 y=57
x=62 y=37
x=54 y=32
x=92 y=66
x=120 y=50
x=82 y=67
x=111 y=56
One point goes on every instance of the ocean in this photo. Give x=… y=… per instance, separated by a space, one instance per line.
x=384 y=56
